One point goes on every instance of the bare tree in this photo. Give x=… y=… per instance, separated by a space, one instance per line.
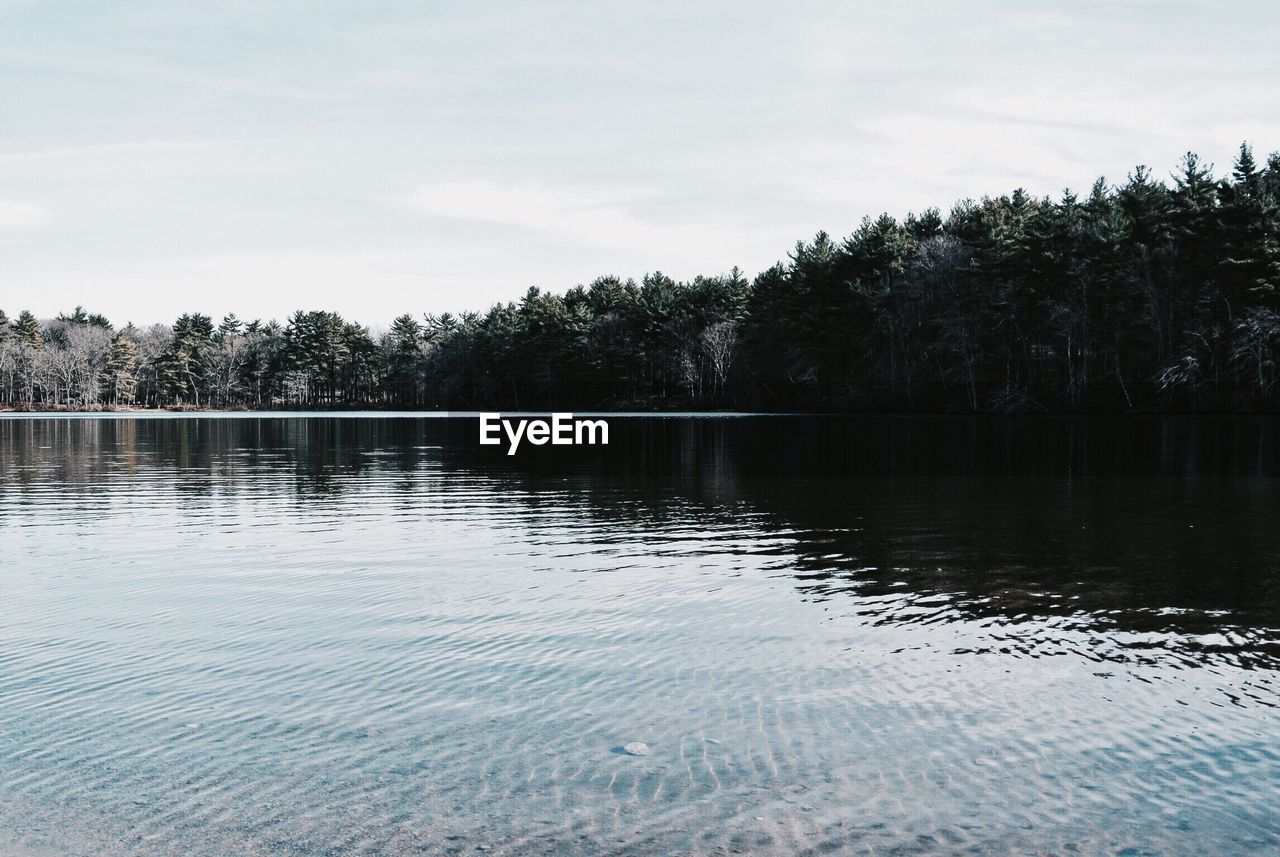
x=1257 y=341
x=87 y=347
x=226 y=362
x=152 y=343
x=8 y=369
x=720 y=345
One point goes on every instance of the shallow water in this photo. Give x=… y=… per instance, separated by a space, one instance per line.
x=291 y=635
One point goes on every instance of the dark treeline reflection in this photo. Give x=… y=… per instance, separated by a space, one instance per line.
x=1154 y=527
x=1151 y=295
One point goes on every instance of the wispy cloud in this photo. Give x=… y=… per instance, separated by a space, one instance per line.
x=16 y=215
x=583 y=216
x=98 y=149
x=507 y=144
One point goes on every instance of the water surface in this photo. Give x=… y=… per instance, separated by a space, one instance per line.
x=319 y=635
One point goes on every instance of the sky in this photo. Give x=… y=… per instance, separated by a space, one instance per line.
x=377 y=158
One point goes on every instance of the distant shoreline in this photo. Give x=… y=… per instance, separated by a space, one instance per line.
x=1140 y=298
x=681 y=413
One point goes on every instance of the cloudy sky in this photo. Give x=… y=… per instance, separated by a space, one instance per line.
x=386 y=157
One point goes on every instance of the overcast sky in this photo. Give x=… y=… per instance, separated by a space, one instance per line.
x=379 y=157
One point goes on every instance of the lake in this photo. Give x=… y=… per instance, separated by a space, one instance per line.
x=365 y=634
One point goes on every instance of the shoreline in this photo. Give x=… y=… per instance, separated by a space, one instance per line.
x=152 y=413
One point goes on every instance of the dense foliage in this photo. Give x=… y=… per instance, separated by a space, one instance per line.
x=1151 y=295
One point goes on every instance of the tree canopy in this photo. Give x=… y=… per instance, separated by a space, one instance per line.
x=1147 y=295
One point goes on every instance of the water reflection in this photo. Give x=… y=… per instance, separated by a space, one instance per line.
x=1161 y=527
x=314 y=635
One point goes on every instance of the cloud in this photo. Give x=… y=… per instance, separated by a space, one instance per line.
x=15 y=215
x=99 y=149
x=370 y=284
x=581 y=216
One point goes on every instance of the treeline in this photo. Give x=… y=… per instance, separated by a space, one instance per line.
x=1150 y=295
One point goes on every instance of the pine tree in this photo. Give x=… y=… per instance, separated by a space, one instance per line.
x=1250 y=267
x=27 y=330
x=184 y=363
x=405 y=340
x=119 y=380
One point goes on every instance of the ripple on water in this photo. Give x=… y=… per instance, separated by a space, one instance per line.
x=374 y=647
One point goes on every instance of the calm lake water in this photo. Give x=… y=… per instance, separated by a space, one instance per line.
x=317 y=635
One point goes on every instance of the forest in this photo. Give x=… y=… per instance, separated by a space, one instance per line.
x=1154 y=295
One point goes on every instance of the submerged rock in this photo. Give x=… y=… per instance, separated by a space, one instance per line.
x=636 y=748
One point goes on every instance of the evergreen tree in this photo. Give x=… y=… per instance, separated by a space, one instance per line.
x=183 y=366
x=119 y=380
x=1157 y=294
